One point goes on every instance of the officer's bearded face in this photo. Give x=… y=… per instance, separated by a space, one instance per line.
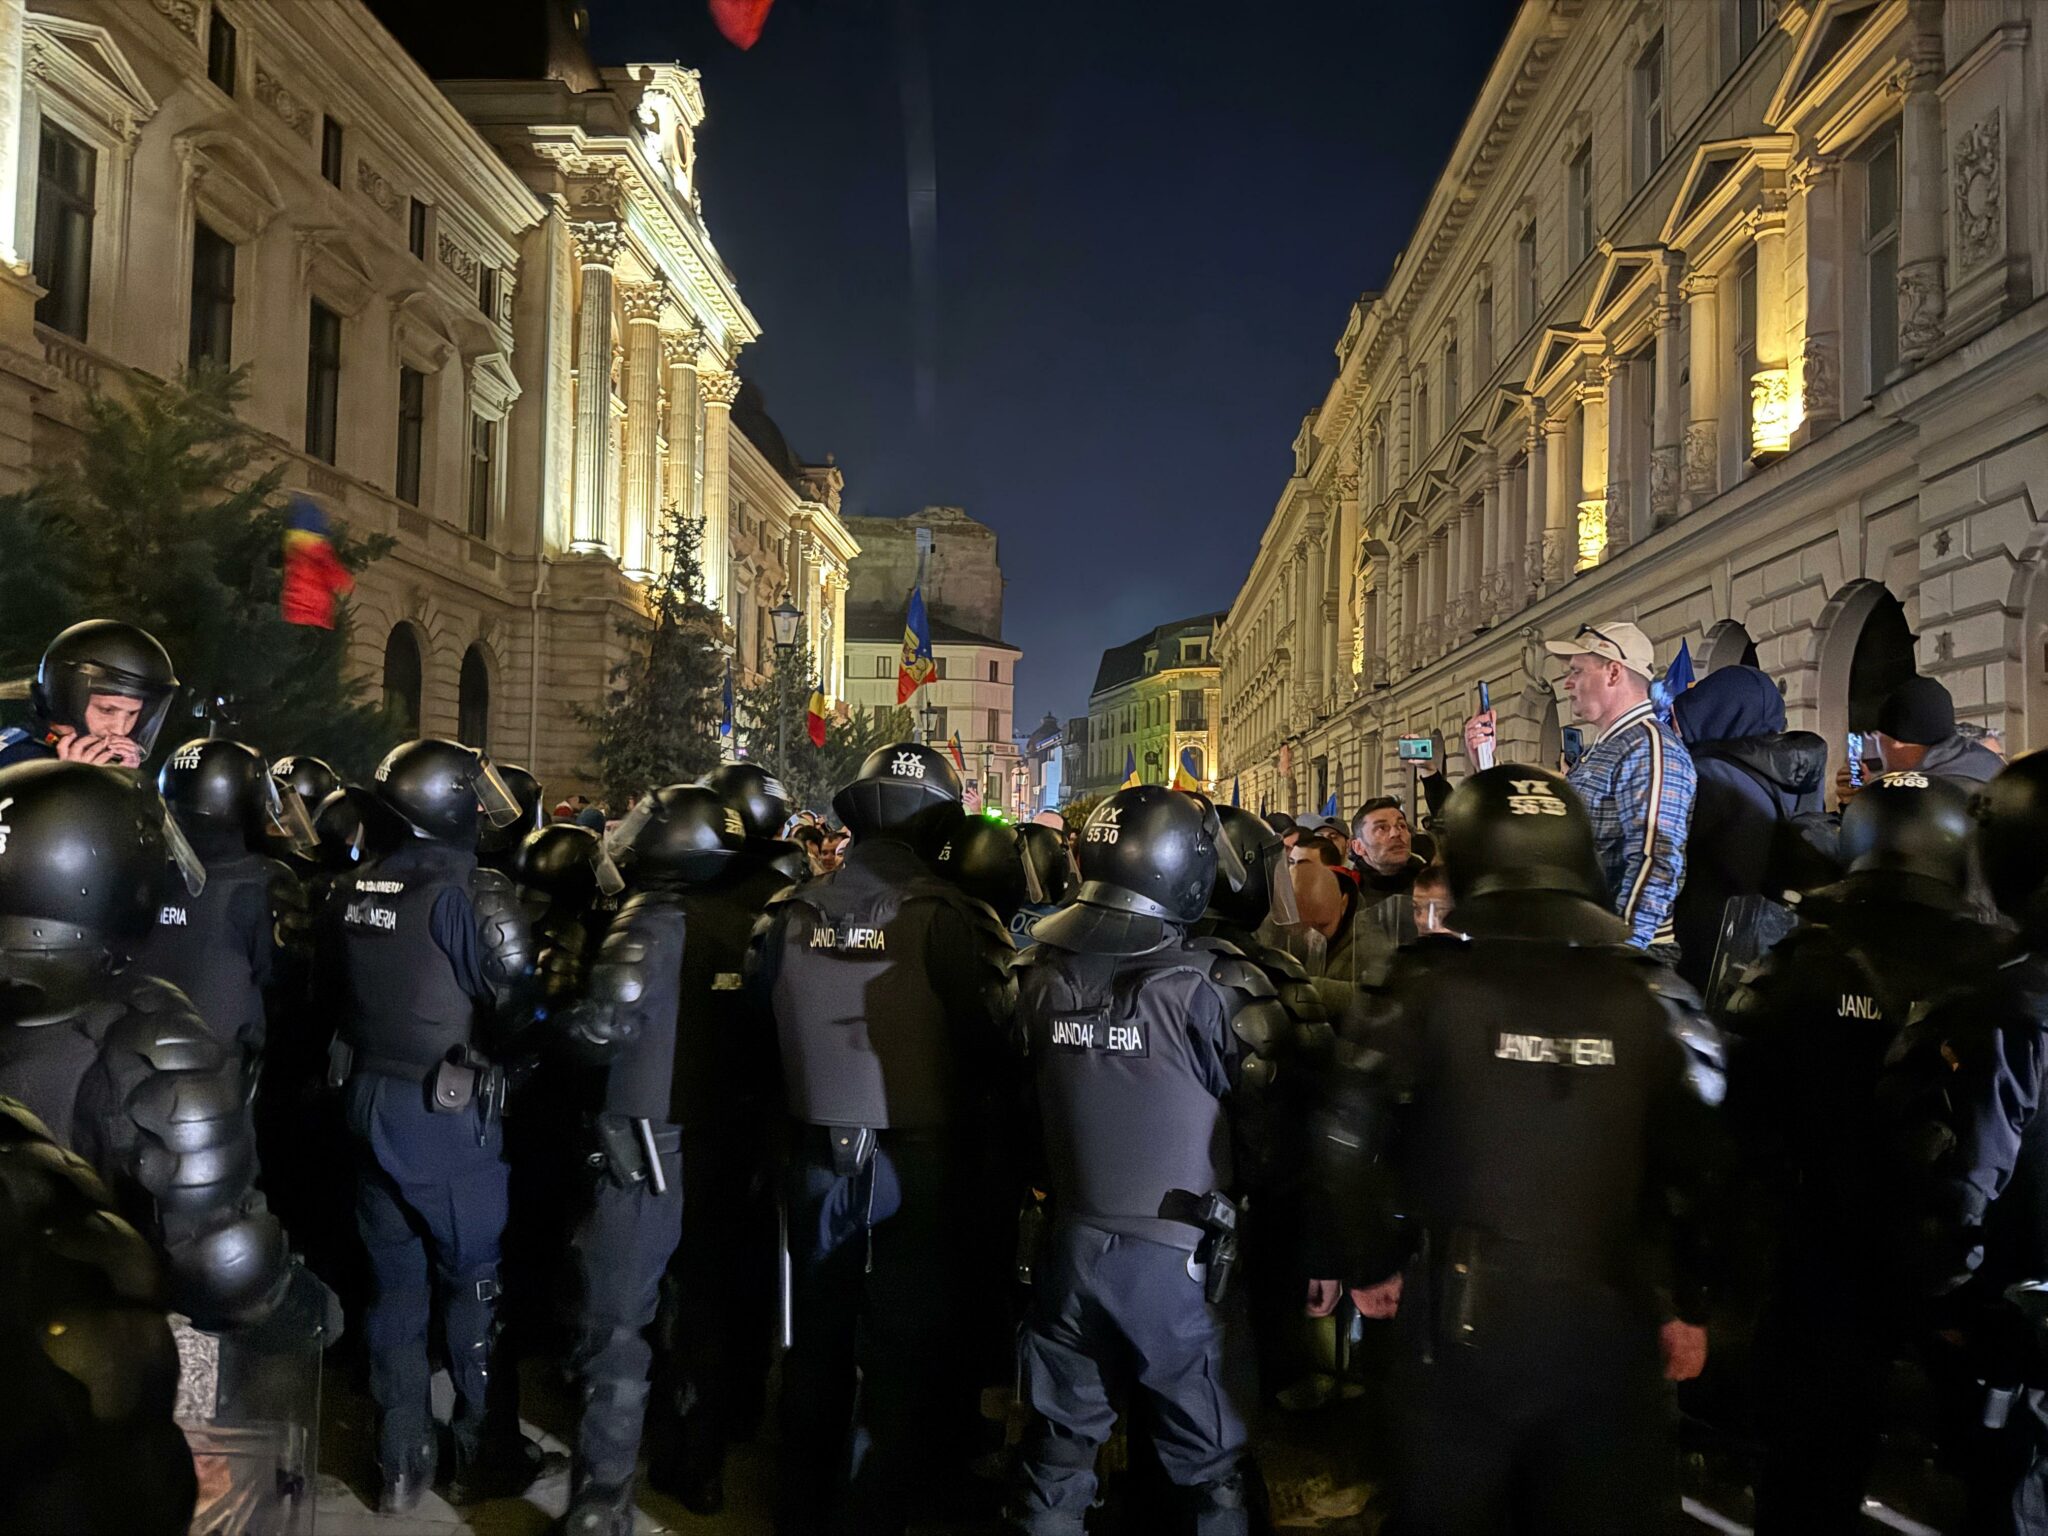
x=111 y=714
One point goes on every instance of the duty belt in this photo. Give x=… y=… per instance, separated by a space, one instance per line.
x=393 y=1066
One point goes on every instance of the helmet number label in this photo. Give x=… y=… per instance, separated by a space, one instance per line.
x=5 y=830
x=1533 y=797
x=186 y=757
x=907 y=765
x=1103 y=826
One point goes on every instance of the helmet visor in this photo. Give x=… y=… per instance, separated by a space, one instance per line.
x=618 y=843
x=493 y=795
x=288 y=819
x=1034 y=887
x=1283 y=909
x=190 y=870
x=86 y=679
x=609 y=881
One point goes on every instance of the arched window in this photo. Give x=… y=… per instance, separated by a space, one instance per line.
x=402 y=677
x=473 y=701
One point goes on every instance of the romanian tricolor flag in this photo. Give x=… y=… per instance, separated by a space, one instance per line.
x=917 y=666
x=313 y=572
x=814 y=718
x=959 y=757
x=740 y=20
x=1184 y=775
x=1130 y=769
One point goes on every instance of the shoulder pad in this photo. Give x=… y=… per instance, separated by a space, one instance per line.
x=1230 y=967
x=1251 y=1003
x=1706 y=1053
x=1279 y=964
x=158 y=1023
x=504 y=933
x=982 y=918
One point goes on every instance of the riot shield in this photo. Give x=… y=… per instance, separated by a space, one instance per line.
x=249 y=1405
x=1750 y=925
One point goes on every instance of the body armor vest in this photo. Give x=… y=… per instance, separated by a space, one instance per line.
x=637 y=1085
x=1131 y=1058
x=405 y=1002
x=43 y=1065
x=206 y=945
x=864 y=1036
x=715 y=1044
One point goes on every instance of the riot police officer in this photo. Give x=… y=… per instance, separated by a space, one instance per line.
x=87 y=1442
x=1020 y=873
x=673 y=840
x=1966 y=1089
x=888 y=989
x=101 y=693
x=115 y=1062
x=436 y=956
x=1813 y=1024
x=1137 y=1036
x=1554 y=1090
x=223 y=947
x=497 y=846
x=557 y=869
x=718 y=1317
x=310 y=780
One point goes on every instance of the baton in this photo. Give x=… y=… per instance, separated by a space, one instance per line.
x=785 y=1279
x=654 y=1174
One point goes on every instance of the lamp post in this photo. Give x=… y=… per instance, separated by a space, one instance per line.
x=782 y=622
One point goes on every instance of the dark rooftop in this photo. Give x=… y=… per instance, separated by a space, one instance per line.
x=873 y=621
x=1126 y=663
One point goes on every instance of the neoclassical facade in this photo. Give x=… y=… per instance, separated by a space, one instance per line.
x=485 y=319
x=1724 y=318
x=1154 y=698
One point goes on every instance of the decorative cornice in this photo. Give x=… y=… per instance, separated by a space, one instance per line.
x=457 y=258
x=377 y=189
x=277 y=96
x=182 y=14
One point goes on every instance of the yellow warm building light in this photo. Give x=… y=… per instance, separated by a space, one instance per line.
x=1592 y=533
x=1771 y=411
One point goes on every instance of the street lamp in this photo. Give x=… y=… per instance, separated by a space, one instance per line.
x=782 y=622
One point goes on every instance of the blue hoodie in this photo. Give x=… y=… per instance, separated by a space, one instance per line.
x=1752 y=772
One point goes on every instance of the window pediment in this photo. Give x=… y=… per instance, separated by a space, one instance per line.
x=82 y=64
x=1727 y=178
x=1508 y=405
x=334 y=268
x=229 y=187
x=1629 y=271
x=1555 y=354
x=1835 y=36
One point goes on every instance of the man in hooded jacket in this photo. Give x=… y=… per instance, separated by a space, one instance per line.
x=1752 y=774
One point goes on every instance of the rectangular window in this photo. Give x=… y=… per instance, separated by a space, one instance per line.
x=1450 y=385
x=412 y=426
x=995 y=671
x=1881 y=255
x=1649 y=93
x=220 y=51
x=1482 y=336
x=1578 y=199
x=1423 y=441
x=416 y=229
x=323 y=381
x=1745 y=344
x=64 y=210
x=886 y=667
x=1753 y=22
x=487 y=290
x=483 y=438
x=1528 y=299
x=995 y=723
x=939 y=669
x=212 y=337
x=1193 y=712
x=330 y=150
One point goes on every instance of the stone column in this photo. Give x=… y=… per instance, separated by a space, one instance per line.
x=1703 y=433
x=1620 y=494
x=641 y=305
x=1819 y=183
x=1489 y=583
x=1560 y=504
x=1344 y=582
x=598 y=247
x=1308 y=648
x=1454 y=574
x=719 y=387
x=1667 y=432
x=838 y=583
x=1535 y=515
x=13 y=26
x=1510 y=589
x=1922 y=164
x=679 y=479
x=1768 y=394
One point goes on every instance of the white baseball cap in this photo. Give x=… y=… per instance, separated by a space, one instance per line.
x=1621 y=642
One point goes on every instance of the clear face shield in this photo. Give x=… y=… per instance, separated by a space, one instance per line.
x=1034 y=887
x=619 y=841
x=1283 y=909
x=180 y=853
x=493 y=795
x=288 y=819
x=84 y=680
x=609 y=881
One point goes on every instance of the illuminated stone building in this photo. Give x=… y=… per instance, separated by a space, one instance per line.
x=1724 y=318
x=1154 y=697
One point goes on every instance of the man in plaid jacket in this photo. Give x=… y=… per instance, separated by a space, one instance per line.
x=1636 y=777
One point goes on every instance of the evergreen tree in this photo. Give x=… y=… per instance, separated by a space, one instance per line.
x=164 y=520
x=659 y=721
x=774 y=719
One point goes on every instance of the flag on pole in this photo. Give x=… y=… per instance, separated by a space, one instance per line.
x=313 y=572
x=1184 y=775
x=725 y=703
x=1330 y=805
x=1236 y=785
x=814 y=719
x=1677 y=678
x=917 y=666
x=1130 y=769
x=959 y=757
x=1262 y=808
x=740 y=20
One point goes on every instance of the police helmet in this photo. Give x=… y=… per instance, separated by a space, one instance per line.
x=684 y=834
x=906 y=791
x=982 y=857
x=1148 y=858
x=223 y=790
x=1514 y=828
x=1909 y=824
x=308 y=777
x=1048 y=872
x=105 y=656
x=754 y=792
x=83 y=857
x=353 y=826
x=441 y=788
x=2012 y=839
x=497 y=842
x=1268 y=889
x=560 y=859
x=787 y=858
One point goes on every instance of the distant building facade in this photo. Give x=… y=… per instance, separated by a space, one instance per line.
x=972 y=696
x=1725 y=318
x=1155 y=697
x=963 y=575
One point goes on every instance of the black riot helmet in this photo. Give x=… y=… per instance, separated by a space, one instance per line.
x=982 y=858
x=682 y=835
x=907 y=791
x=1267 y=889
x=1523 y=830
x=755 y=793
x=353 y=826
x=223 y=794
x=105 y=656
x=498 y=842
x=83 y=855
x=2012 y=840
x=440 y=788
x=1909 y=824
x=1048 y=872
x=564 y=860
x=787 y=858
x=308 y=777
x=1149 y=858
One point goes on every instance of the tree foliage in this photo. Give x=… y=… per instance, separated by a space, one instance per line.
x=659 y=721
x=772 y=722
x=1077 y=811
x=164 y=520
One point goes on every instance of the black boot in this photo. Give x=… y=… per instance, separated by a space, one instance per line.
x=496 y=1465
x=405 y=1482
x=597 y=1510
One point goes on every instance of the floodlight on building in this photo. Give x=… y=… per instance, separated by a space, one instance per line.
x=1592 y=533
x=1771 y=411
